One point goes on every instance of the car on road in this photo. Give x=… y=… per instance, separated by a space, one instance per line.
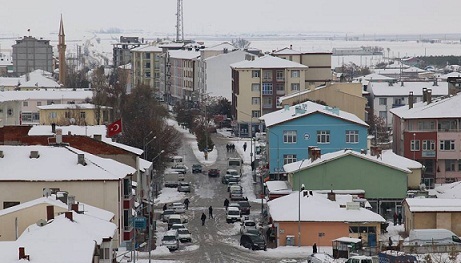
x=231 y=184
x=248 y=224
x=253 y=242
x=177 y=226
x=166 y=214
x=232 y=214
x=178 y=207
x=213 y=172
x=233 y=172
x=180 y=168
x=234 y=204
x=197 y=168
x=171 y=240
x=184 y=187
x=175 y=219
x=245 y=207
x=236 y=195
x=184 y=235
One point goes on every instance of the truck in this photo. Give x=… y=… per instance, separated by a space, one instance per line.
x=172 y=179
x=235 y=163
x=432 y=237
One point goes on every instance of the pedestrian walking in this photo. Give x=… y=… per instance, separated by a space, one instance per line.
x=203 y=218
x=395 y=218
x=164 y=207
x=245 y=147
x=226 y=203
x=314 y=248
x=400 y=218
x=186 y=203
x=210 y=212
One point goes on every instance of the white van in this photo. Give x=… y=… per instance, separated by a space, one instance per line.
x=233 y=214
x=171 y=240
x=359 y=259
x=432 y=237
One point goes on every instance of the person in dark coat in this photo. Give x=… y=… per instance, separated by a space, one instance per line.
x=164 y=207
x=203 y=218
x=210 y=212
x=245 y=147
x=226 y=203
x=314 y=248
x=395 y=218
x=186 y=203
x=400 y=218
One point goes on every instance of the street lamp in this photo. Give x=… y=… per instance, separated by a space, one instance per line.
x=299 y=202
x=144 y=144
x=414 y=146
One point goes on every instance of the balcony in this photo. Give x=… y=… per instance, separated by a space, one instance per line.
x=398 y=105
x=267 y=106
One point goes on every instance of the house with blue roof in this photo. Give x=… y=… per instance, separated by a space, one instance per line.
x=293 y=129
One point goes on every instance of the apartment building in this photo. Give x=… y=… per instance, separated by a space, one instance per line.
x=145 y=66
x=181 y=64
x=30 y=54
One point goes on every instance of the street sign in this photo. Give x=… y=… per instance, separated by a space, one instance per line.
x=140 y=222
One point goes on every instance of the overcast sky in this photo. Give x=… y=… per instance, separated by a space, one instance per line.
x=235 y=16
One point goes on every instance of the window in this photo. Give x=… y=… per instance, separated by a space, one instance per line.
x=426 y=125
x=39 y=103
x=295 y=74
x=255 y=101
x=414 y=145
x=147 y=55
x=279 y=76
x=25 y=103
x=447 y=125
x=53 y=115
x=289 y=158
x=428 y=145
x=147 y=65
x=278 y=102
x=255 y=73
x=295 y=86
x=267 y=75
x=383 y=115
x=82 y=115
x=255 y=87
x=67 y=114
x=289 y=136
x=49 y=102
x=450 y=165
x=267 y=102
x=447 y=145
x=280 y=87
x=352 y=136
x=459 y=165
x=9 y=204
x=382 y=101
x=30 y=116
x=323 y=136
x=267 y=88
x=255 y=113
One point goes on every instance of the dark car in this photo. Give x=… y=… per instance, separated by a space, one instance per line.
x=244 y=207
x=214 y=172
x=196 y=168
x=253 y=242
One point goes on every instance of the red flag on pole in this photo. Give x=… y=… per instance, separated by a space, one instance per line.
x=114 y=128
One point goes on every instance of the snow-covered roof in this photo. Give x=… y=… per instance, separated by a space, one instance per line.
x=267 y=61
x=451 y=190
x=348 y=240
x=307 y=108
x=36 y=78
x=438 y=108
x=56 y=241
x=317 y=208
x=287 y=51
x=433 y=205
x=453 y=74
x=278 y=187
x=57 y=164
x=89 y=131
x=221 y=46
x=50 y=94
x=51 y=200
x=387 y=158
x=147 y=48
x=83 y=106
x=184 y=54
x=375 y=77
x=383 y=88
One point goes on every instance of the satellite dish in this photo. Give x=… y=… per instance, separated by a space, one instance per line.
x=41 y=222
x=72 y=120
x=422 y=187
x=46 y=192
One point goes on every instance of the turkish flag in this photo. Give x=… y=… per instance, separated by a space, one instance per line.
x=114 y=128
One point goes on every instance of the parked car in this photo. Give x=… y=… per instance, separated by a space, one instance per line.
x=177 y=226
x=245 y=207
x=232 y=214
x=178 y=207
x=175 y=219
x=213 y=172
x=184 y=235
x=180 y=168
x=225 y=178
x=171 y=240
x=166 y=214
x=236 y=195
x=320 y=258
x=233 y=172
x=248 y=224
x=231 y=184
x=360 y=259
x=234 y=204
x=253 y=242
x=184 y=187
x=196 y=168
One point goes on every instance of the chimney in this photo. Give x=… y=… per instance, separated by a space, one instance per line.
x=429 y=96
x=309 y=151
x=363 y=151
x=424 y=94
x=97 y=137
x=305 y=193
x=410 y=100
x=22 y=254
x=58 y=136
x=34 y=154
x=310 y=193
x=81 y=159
x=291 y=46
x=69 y=133
x=435 y=83
x=69 y=215
x=74 y=207
x=331 y=196
x=53 y=127
x=49 y=212
x=316 y=153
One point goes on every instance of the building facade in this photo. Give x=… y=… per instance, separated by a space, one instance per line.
x=74 y=114
x=122 y=50
x=30 y=54
x=145 y=67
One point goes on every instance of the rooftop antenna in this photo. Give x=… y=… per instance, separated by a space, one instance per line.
x=179 y=22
